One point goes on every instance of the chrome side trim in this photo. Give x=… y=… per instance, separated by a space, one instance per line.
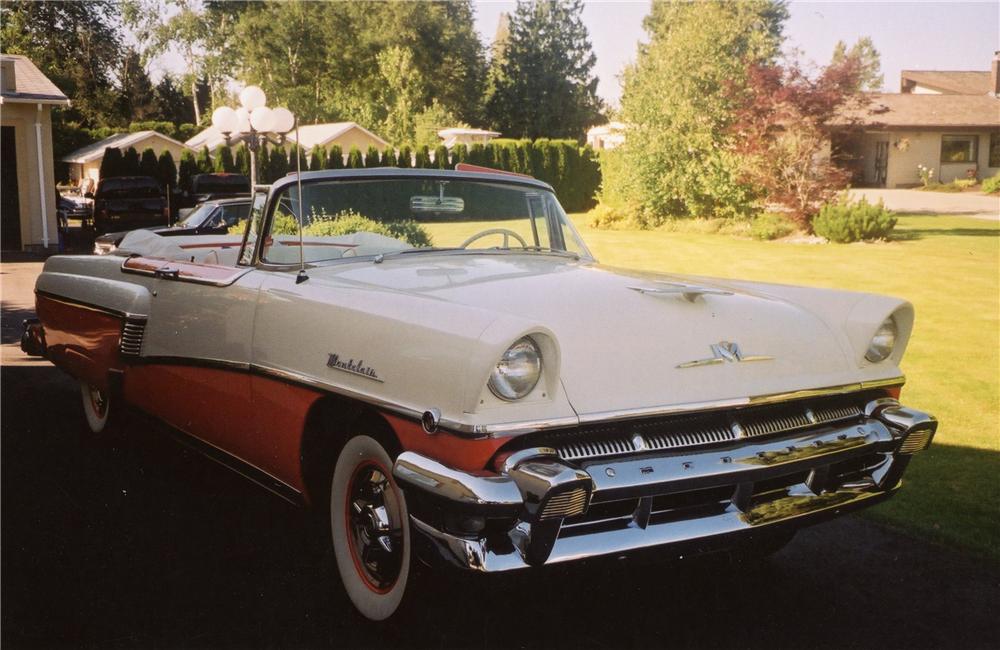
x=165 y=272
x=89 y=306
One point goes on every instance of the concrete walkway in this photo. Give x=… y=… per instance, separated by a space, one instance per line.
x=970 y=204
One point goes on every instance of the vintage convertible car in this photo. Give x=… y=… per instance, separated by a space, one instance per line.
x=437 y=361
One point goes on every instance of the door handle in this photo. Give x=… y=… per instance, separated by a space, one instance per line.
x=167 y=273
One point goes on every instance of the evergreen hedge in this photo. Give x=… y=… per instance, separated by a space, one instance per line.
x=441 y=159
x=335 y=157
x=187 y=168
x=405 y=158
x=423 y=158
x=166 y=171
x=354 y=159
x=372 y=158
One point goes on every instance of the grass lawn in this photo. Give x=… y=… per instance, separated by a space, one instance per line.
x=949 y=268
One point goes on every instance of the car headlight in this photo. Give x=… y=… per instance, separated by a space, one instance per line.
x=883 y=342
x=518 y=370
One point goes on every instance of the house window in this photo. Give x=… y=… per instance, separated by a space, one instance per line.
x=995 y=149
x=959 y=148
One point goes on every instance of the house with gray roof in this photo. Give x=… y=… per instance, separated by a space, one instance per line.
x=85 y=162
x=945 y=121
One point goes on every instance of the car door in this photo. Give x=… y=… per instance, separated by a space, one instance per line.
x=195 y=352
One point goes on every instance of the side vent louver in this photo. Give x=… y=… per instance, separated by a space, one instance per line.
x=131 y=340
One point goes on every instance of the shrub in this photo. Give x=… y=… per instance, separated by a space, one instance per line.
x=441 y=157
x=607 y=217
x=405 y=158
x=843 y=221
x=771 y=225
x=372 y=158
x=242 y=159
x=349 y=222
x=926 y=174
x=111 y=163
x=992 y=185
x=147 y=164
x=317 y=158
x=354 y=160
x=389 y=157
x=224 y=162
x=942 y=187
x=335 y=157
x=188 y=167
x=964 y=183
x=204 y=161
x=423 y=158
x=460 y=153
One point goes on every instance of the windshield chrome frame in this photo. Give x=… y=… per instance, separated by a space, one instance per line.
x=380 y=174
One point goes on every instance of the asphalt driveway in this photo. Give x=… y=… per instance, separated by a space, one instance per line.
x=134 y=542
x=971 y=204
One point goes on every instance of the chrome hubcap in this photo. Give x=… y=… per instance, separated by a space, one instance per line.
x=373 y=527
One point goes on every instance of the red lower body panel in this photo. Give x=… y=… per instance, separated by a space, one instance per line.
x=81 y=340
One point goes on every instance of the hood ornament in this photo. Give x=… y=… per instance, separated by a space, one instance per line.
x=724 y=352
x=687 y=291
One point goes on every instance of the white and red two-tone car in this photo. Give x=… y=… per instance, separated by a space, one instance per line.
x=436 y=360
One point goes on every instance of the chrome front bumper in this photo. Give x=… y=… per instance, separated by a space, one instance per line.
x=534 y=511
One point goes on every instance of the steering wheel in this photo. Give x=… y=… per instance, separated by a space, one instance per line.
x=507 y=234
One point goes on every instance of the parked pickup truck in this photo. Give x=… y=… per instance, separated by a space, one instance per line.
x=129 y=202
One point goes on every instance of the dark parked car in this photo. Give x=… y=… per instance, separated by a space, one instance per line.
x=209 y=187
x=209 y=218
x=72 y=207
x=129 y=202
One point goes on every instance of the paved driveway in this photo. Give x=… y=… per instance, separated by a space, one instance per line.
x=976 y=205
x=134 y=542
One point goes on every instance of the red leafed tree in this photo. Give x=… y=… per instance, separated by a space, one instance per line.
x=782 y=130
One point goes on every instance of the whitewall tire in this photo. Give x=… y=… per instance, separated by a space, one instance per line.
x=370 y=528
x=97 y=407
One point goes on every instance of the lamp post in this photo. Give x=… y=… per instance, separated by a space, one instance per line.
x=255 y=120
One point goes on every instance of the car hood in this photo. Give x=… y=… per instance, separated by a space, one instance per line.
x=626 y=340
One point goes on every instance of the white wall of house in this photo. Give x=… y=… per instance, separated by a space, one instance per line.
x=908 y=149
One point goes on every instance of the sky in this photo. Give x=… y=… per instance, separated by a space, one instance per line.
x=908 y=35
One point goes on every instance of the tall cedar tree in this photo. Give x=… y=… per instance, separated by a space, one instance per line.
x=187 y=168
x=335 y=157
x=111 y=163
x=542 y=82
x=147 y=163
x=242 y=159
x=372 y=158
x=166 y=171
x=205 y=164
x=130 y=163
x=224 y=160
x=780 y=132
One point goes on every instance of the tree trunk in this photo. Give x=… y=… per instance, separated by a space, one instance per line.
x=194 y=100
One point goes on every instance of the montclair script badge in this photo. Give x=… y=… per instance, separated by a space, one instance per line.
x=354 y=367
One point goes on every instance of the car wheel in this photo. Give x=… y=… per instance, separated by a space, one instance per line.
x=370 y=528
x=98 y=407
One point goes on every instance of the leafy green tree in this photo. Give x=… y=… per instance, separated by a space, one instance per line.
x=171 y=103
x=130 y=163
x=372 y=157
x=166 y=171
x=224 y=162
x=335 y=157
x=402 y=90
x=77 y=45
x=187 y=168
x=147 y=163
x=389 y=157
x=317 y=158
x=137 y=100
x=543 y=85
x=868 y=59
x=111 y=163
x=405 y=158
x=677 y=103
x=431 y=120
x=354 y=159
x=204 y=159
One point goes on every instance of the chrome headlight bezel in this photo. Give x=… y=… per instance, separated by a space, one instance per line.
x=511 y=384
x=884 y=341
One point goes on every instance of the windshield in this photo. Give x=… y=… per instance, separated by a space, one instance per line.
x=198 y=215
x=345 y=219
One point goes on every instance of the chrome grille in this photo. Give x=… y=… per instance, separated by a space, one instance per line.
x=700 y=430
x=567 y=504
x=130 y=344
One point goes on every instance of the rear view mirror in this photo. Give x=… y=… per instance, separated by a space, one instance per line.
x=451 y=204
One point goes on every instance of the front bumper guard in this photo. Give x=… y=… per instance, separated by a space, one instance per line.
x=537 y=493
